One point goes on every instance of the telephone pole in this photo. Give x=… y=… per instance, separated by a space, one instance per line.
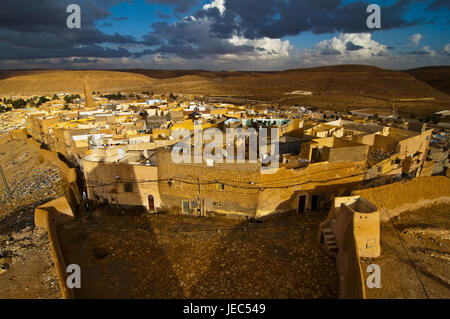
x=8 y=192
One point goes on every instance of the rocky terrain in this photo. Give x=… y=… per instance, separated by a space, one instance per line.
x=415 y=255
x=26 y=266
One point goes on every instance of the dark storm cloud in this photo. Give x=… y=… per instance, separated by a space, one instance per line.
x=17 y=53
x=83 y=60
x=278 y=18
x=143 y=52
x=37 y=29
x=350 y=46
x=182 y=6
x=256 y=19
x=439 y=4
x=190 y=39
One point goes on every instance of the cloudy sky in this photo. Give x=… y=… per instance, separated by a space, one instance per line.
x=223 y=34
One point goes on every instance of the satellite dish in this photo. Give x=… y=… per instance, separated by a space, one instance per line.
x=266 y=158
x=210 y=162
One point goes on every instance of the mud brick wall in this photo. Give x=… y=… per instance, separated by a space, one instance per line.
x=224 y=188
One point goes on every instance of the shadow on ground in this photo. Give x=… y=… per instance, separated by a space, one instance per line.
x=173 y=256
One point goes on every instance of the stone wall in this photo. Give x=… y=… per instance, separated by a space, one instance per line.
x=397 y=198
x=222 y=188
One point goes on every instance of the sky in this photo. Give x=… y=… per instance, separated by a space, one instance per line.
x=264 y=35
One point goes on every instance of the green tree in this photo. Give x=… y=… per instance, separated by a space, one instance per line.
x=70 y=98
x=42 y=100
x=19 y=104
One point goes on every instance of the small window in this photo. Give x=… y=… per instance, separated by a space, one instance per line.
x=129 y=187
x=186 y=208
x=220 y=186
x=194 y=204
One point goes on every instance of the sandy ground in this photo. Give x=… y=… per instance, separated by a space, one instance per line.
x=26 y=266
x=173 y=256
x=415 y=255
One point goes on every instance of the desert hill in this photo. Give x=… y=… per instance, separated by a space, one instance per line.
x=341 y=87
x=435 y=76
x=50 y=82
x=168 y=74
x=355 y=80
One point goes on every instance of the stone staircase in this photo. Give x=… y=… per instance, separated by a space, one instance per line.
x=329 y=241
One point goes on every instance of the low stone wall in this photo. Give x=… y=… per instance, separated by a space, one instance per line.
x=394 y=199
x=48 y=216
x=68 y=174
x=58 y=211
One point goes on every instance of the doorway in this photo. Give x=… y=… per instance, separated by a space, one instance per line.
x=151 y=203
x=314 y=202
x=301 y=204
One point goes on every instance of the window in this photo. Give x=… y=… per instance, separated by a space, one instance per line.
x=186 y=208
x=129 y=187
x=220 y=186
